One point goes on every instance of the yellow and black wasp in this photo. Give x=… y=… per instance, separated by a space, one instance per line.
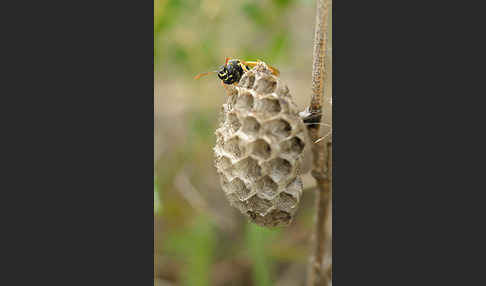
x=233 y=69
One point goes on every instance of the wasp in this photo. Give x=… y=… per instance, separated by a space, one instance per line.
x=233 y=69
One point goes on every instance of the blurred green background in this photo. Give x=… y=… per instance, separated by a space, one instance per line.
x=199 y=238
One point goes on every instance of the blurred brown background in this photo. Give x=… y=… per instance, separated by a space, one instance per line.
x=199 y=238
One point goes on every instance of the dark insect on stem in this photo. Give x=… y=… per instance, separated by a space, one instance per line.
x=310 y=117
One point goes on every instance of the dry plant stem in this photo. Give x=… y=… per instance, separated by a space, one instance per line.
x=320 y=268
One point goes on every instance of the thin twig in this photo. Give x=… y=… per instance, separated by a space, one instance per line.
x=321 y=264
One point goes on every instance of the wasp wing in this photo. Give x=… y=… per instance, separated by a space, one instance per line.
x=252 y=64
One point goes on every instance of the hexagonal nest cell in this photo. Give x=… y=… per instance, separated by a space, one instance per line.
x=273 y=218
x=248 y=80
x=233 y=122
x=261 y=149
x=259 y=205
x=248 y=169
x=250 y=126
x=267 y=187
x=233 y=147
x=244 y=101
x=282 y=90
x=239 y=188
x=295 y=187
x=266 y=84
x=268 y=106
x=278 y=128
x=223 y=163
x=293 y=146
x=279 y=169
x=286 y=201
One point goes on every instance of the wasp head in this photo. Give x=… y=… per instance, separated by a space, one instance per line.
x=231 y=72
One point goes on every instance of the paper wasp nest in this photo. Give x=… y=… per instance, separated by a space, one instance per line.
x=260 y=147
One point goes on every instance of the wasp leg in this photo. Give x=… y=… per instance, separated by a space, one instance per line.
x=229 y=88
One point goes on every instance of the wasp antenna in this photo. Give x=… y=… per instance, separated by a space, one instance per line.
x=202 y=74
